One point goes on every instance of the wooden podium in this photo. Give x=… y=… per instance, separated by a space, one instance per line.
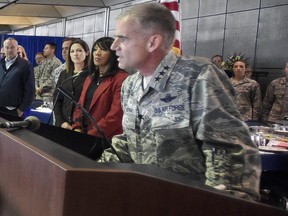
x=41 y=178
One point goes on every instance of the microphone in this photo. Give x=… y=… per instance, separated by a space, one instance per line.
x=86 y=112
x=31 y=122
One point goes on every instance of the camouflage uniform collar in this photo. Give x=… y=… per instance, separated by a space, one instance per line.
x=246 y=79
x=242 y=81
x=163 y=71
x=284 y=80
x=51 y=59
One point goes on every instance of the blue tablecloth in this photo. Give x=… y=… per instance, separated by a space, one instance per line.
x=45 y=115
x=274 y=161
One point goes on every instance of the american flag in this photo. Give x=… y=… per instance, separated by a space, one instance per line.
x=173 y=6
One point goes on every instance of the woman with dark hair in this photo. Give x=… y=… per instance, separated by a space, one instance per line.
x=71 y=80
x=248 y=97
x=101 y=93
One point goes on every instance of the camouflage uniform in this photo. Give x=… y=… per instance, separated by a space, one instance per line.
x=36 y=73
x=45 y=78
x=275 y=103
x=57 y=71
x=248 y=99
x=185 y=121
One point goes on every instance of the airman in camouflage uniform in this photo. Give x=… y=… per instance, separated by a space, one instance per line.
x=45 y=83
x=275 y=103
x=248 y=99
x=183 y=119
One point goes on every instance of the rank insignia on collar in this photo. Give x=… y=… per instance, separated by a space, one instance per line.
x=157 y=78
x=162 y=73
x=166 y=67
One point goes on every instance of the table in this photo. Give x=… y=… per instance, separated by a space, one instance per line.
x=45 y=115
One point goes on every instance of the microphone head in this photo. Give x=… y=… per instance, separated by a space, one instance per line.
x=34 y=123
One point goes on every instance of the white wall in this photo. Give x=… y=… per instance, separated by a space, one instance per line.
x=255 y=28
x=88 y=27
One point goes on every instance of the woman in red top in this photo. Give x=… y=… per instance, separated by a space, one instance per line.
x=101 y=93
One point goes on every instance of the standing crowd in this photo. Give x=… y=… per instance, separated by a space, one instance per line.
x=180 y=113
x=273 y=108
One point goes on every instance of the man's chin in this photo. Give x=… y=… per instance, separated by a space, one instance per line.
x=122 y=66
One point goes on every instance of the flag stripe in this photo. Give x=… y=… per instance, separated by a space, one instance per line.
x=177 y=43
x=177 y=25
x=177 y=35
x=173 y=6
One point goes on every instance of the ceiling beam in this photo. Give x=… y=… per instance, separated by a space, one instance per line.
x=8 y=4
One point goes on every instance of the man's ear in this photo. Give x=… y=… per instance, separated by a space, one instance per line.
x=154 y=42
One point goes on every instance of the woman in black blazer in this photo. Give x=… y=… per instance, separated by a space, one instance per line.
x=71 y=81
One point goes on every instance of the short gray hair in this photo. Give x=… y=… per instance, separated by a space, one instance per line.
x=155 y=17
x=10 y=39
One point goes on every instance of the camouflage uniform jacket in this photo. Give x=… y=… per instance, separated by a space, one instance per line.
x=57 y=72
x=185 y=121
x=36 y=73
x=275 y=103
x=45 y=78
x=248 y=99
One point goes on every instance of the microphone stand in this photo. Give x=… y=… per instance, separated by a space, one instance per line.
x=54 y=105
x=78 y=105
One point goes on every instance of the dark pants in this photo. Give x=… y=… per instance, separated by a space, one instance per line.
x=7 y=111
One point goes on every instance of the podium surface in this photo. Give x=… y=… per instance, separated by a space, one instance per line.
x=40 y=177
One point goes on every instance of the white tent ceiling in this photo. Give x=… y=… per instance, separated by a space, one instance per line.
x=17 y=14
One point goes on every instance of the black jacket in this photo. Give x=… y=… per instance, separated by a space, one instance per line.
x=64 y=108
x=17 y=84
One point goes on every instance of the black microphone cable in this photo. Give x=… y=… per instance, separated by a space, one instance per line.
x=85 y=112
x=80 y=74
